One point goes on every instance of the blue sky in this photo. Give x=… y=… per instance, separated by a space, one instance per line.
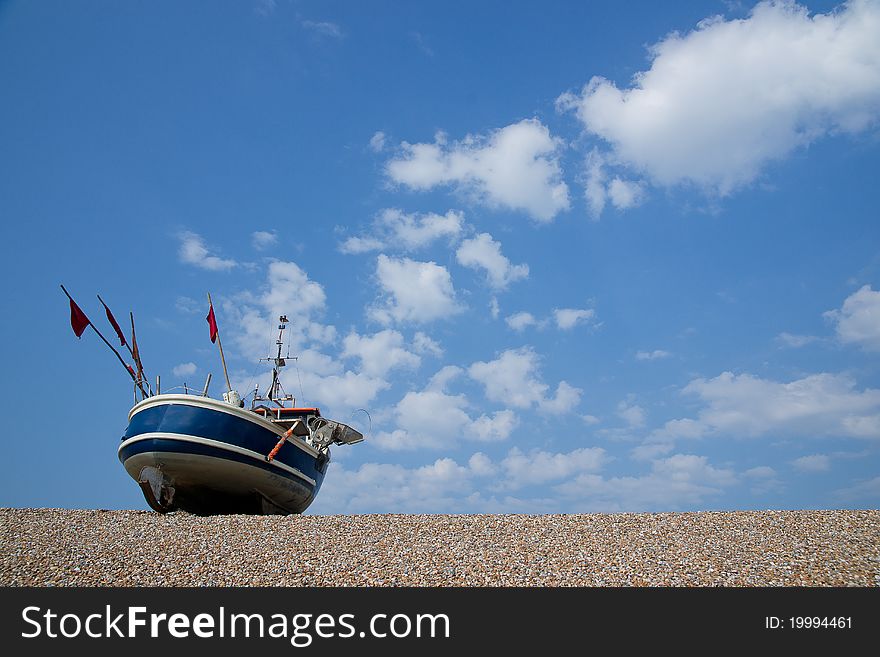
x=570 y=257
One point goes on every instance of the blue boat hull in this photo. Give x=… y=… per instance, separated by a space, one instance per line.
x=206 y=457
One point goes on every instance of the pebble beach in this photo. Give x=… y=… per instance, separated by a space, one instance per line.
x=63 y=547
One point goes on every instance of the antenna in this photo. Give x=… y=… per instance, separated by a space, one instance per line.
x=275 y=390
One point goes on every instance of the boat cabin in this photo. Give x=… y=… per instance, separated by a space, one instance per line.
x=285 y=416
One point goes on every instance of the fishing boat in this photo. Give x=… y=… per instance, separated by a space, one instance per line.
x=191 y=452
x=209 y=456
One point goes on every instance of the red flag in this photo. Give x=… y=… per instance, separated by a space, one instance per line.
x=112 y=320
x=78 y=319
x=212 y=323
x=134 y=351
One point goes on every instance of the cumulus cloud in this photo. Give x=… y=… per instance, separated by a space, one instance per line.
x=433 y=418
x=812 y=463
x=343 y=392
x=193 y=251
x=423 y=344
x=565 y=319
x=288 y=290
x=632 y=414
x=858 y=321
x=570 y=481
x=515 y=167
x=866 y=490
x=263 y=239
x=722 y=101
x=380 y=352
x=568 y=318
x=539 y=467
x=184 y=369
x=513 y=378
x=386 y=488
x=394 y=229
x=482 y=252
x=681 y=480
x=656 y=354
x=323 y=29
x=598 y=190
x=415 y=292
x=747 y=406
x=377 y=142
x=521 y=321
x=795 y=341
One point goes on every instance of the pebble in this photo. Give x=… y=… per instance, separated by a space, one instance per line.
x=75 y=547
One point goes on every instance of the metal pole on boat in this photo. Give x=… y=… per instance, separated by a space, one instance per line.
x=222 y=357
x=207 y=383
x=112 y=348
x=158 y=381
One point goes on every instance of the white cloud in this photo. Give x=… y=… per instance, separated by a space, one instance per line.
x=760 y=472
x=570 y=480
x=397 y=230
x=512 y=378
x=379 y=353
x=515 y=167
x=564 y=318
x=184 y=369
x=539 y=467
x=387 y=488
x=190 y=306
x=722 y=101
x=568 y=318
x=681 y=480
x=812 y=463
x=632 y=414
x=194 y=252
x=265 y=7
x=323 y=29
x=520 y=321
x=565 y=399
x=795 y=341
x=263 y=239
x=356 y=245
x=290 y=290
x=858 y=321
x=748 y=406
x=657 y=354
x=497 y=427
x=424 y=344
x=494 y=308
x=434 y=419
x=342 y=393
x=650 y=451
x=377 y=142
x=482 y=252
x=594 y=184
x=625 y=194
x=868 y=489
x=415 y=291
x=442 y=378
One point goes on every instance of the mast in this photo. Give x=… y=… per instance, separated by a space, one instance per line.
x=220 y=345
x=275 y=388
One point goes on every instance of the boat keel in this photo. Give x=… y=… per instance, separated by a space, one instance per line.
x=157 y=490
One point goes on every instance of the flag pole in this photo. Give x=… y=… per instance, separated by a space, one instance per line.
x=112 y=348
x=136 y=354
x=220 y=345
x=124 y=343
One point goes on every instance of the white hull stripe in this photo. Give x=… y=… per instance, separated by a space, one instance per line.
x=214 y=443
